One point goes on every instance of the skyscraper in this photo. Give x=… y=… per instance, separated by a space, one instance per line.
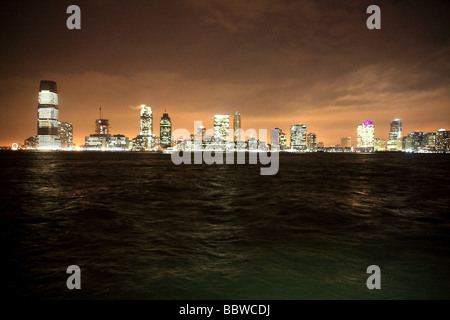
x=312 y=141
x=146 y=121
x=221 y=127
x=365 y=135
x=281 y=139
x=145 y=139
x=48 y=124
x=65 y=134
x=395 y=136
x=298 y=137
x=165 y=130
x=415 y=141
x=443 y=140
x=237 y=127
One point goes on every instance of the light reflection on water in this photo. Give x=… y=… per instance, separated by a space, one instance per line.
x=140 y=227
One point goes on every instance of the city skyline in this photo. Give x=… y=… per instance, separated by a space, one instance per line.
x=279 y=64
x=53 y=134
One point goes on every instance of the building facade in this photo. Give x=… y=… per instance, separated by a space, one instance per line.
x=443 y=140
x=298 y=137
x=221 y=127
x=365 y=136
x=395 y=136
x=47 y=135
x=146 y=121
x=415 y=141
x=379 y=144
x=312 y=141
x=165 y=131
x=65 y=134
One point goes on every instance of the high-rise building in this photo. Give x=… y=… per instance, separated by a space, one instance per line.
x=346 y=142
x=165 y=131
x=281 y=140
x=298 y=137
x=221 y=127
x=395 y=136
x=146 y=121
x=47 y=134
x=146 y=139
x=430 y=141
x=365 y=136
x=237 y=129
x=65 y=134
x=443 y=140
x=379 y=144
x=312 y=141
x=415 y=141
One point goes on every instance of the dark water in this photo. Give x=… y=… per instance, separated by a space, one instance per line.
x=140 y=227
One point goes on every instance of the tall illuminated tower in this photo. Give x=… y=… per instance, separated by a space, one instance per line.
x=237 y=126
x=395 y=135
x=365 y=135
x=298 y=137
x=48 y=116
x=146 y=121
x=221 y=127
x=165 y=131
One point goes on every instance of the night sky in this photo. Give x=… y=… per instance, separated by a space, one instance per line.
x=278 y=62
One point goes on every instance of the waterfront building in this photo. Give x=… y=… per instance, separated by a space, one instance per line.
x=379 y=144
x=415 y=141
x=312 y=141
x=395 y=136
x=118 y=142
x=47 y=135
x=281 y=140
x=221 y=127
x=443 y=140
x=165 y=131
x=65 y=134
x=146 y=121
x=365 y=136
x=103 y=140
x=298 y=137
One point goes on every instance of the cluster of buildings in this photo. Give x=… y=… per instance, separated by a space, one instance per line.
x=417 y=141
x=102 y=140
x=53 y=134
